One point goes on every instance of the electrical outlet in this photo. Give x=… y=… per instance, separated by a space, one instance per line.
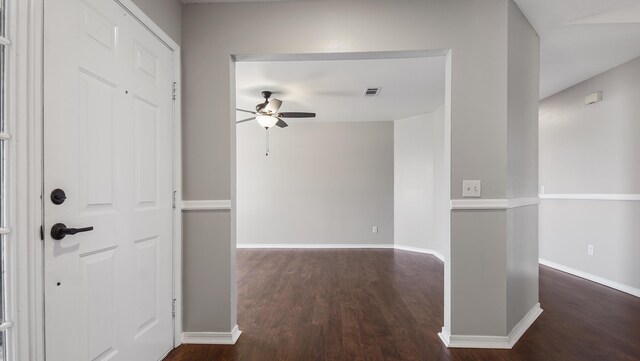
x=374 y=229
x=590 y=250
x=471 y=188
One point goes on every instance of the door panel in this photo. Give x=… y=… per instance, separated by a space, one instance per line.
x=146 y=155
x=96 y=106
x=146 y=259
x=98 y=274
x=108 y=145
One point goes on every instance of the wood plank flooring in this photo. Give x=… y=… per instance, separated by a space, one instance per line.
x=351 y=305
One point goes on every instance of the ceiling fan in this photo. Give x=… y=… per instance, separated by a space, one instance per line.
x=267 y=113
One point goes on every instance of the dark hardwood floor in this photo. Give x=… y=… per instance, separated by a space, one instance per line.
x=349 y=305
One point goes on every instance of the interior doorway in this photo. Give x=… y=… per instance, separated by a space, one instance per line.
x=291 y=198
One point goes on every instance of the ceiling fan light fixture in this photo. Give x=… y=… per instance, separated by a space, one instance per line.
x=266 y=121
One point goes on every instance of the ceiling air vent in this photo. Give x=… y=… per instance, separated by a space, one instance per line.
x=371 y=92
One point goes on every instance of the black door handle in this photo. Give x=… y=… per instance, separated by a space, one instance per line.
x=60 y=230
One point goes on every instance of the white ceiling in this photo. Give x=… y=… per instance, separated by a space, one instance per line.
x=334 y=89
x=579 y=38
x=582 y=38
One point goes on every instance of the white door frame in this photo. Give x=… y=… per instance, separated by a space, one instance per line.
x=30 y=288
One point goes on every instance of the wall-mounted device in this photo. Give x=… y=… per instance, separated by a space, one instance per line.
x=593 y=98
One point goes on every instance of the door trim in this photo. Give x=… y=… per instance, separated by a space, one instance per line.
x=30 y=38
x=31 y=336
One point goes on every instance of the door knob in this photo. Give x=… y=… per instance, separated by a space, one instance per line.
x=59 y=231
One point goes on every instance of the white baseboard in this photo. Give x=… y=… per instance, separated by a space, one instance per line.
x=313 y=246
x=445 y=337
x=591 y=277
x=521 y=327
x=492 y=342
x=212 y=338
x=420 y=250
x=339 y=246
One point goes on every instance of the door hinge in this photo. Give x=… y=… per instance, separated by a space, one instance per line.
x=174 y=199
x=174 y=93
x=41 y=233
x=173 y=308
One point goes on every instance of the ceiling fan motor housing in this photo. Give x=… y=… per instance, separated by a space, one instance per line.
x=260 y=107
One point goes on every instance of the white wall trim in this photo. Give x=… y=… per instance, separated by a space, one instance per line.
x=456 y=204
x=445 y=336
x=479 y=203
x=146 y=21
x=177 y=189
x=488 y=204
x=313 y=246
x=521 y=327
x=208 y=205
x=593 y=197
x=437 y=254
x=212 y=338
x=522 y=202
x=591 y=277
x=492 y=342
x=30 y=39
x=340 y=246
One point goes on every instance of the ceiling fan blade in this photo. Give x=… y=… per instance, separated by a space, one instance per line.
x=273 y=106
x=245 y=120
x=246 y=111
x=281 y=123
x=297 y=115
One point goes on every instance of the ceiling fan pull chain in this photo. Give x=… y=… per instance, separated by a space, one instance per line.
x=267 y=131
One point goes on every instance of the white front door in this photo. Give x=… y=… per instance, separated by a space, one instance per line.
x=108 y=145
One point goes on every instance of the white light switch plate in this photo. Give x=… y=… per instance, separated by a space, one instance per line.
x=471 y=188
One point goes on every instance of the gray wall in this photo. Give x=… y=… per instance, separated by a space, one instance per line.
x=441 y=181
x=522 y=107
x=522 y=143
x=413 y=181
x=421 y=179
x=322 y=183
x=167 y=14
x=593 y=149
x=202 y=232
x=475 y=31
x=513 y=238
